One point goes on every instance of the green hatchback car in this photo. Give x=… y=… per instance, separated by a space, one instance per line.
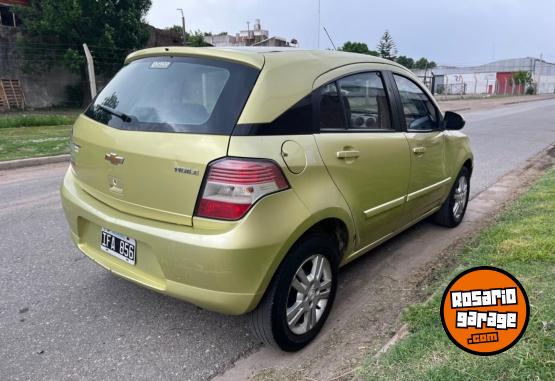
x=240 y=180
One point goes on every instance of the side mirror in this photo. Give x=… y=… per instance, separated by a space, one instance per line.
x=453 y=121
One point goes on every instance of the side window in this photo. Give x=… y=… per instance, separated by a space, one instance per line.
x=366 y=103
x=420 y=113
x=331 y=111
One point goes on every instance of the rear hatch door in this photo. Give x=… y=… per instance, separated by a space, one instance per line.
x=144 y=144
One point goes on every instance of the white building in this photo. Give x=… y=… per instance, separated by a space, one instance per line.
x=492 y=78
x=249 y=37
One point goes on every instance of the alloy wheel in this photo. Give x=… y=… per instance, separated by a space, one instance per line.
x=309 y=293
x=460 y=197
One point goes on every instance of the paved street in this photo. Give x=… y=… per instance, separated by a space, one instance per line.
x=62 y=317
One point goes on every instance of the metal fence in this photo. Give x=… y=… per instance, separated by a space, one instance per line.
x=496 y=87
x=487 y=84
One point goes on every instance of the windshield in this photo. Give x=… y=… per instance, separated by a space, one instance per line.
x=175 y=94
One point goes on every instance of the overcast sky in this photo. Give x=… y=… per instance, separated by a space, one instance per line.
x=458 y=32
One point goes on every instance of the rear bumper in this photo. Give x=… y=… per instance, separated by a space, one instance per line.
x=224 y=268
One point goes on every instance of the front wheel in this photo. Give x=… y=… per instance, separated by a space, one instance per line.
x=300 y=297
x=453 y=209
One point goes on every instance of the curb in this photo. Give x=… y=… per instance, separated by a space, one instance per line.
x=34 y=161
x=529 y=100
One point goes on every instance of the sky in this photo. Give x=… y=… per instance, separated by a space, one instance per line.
x=450 y=32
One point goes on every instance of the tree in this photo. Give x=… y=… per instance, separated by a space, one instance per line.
x=405 y=61
x=522 y=77
x=195 y=39
x=423 y=63
x=386 y=47
x=55 y=31
x=357 y=47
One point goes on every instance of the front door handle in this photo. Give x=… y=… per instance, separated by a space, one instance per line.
x=419 y=151
x=351 y=154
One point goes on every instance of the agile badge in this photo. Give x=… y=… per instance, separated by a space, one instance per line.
x=485 y=310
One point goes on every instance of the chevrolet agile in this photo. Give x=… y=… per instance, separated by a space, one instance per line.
x=241 y=180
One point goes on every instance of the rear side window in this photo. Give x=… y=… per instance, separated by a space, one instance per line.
x=175 y=94
x=419 y=111
x=366 y=105
x=331 y=110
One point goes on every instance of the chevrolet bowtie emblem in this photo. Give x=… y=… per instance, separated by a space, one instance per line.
x=114 y=158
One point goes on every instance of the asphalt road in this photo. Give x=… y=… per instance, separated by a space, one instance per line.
x=62 y=317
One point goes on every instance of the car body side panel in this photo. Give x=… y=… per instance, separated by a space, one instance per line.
x=429 y=181
x=313 y=185
x=373 y=184
x=457 y=152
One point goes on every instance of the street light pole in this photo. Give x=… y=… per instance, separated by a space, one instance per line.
x=183 y=26
x=319 y=22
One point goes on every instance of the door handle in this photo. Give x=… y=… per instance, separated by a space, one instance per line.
x=419 y=150
x=351 y=154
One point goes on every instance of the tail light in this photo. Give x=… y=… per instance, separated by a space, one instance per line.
x=233 y=186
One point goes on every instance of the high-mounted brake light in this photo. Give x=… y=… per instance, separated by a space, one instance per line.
x=232 y=186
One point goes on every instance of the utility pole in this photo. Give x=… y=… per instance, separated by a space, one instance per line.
x=183 y=26
x=248 y=33
x=319 y=13
x=90 y=67
x=539 y=73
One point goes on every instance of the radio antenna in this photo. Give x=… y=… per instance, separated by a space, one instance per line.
x=327 y=34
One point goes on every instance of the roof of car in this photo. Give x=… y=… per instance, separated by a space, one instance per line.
x=287 y=74
x=257 y=56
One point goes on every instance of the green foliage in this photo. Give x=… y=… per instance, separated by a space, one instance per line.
x=405 y=61
x=23 y=120
x=357 y=47
x=194 y=38
x=423 y=63
x=522 y=77
x=386 y=47
x=55 y=31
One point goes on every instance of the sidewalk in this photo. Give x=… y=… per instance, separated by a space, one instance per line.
x=488 y=103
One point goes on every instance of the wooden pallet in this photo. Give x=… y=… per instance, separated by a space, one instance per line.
x=4 y=105
x=11 y=94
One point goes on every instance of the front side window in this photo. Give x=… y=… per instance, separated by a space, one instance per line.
x=419 y=111
x=366 y=103
x=175 y=94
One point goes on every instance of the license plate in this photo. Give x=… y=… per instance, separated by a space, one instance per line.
x=118 y=245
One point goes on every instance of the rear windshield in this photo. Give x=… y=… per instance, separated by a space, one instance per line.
x=175 y=94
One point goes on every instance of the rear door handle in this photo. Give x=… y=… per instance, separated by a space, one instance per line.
x=351 y=154
x=419 y=150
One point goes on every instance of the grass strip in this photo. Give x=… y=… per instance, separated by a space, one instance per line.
x=22 y=120
x=22 y=143
x=521 y=241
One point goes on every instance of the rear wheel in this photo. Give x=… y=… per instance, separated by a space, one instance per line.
x=453 y=209
x=300 y=297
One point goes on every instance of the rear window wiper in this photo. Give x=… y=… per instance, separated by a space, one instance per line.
x=126 y=118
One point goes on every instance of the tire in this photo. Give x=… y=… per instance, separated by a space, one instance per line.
x=449 y=215
x=269 y=321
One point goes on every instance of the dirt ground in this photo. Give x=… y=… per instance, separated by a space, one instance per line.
x=366 y=314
